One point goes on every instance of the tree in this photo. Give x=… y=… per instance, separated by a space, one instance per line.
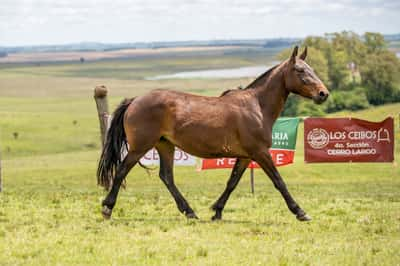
x=379 y=71
x=319 y=43
x=309 y=108
x=355 y=99
x=362 y=67
x=338 y=71
x=291 y=106
x=380 y=76
x=352 y=44
x=375 y=42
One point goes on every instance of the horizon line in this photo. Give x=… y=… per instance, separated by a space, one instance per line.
x=176 y=41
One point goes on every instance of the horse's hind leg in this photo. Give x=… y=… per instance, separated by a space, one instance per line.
x=123 y=169
x=265 y=161
x=237 y=173
x=166 y=151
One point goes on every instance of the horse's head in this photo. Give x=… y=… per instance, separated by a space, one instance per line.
x=301 y=79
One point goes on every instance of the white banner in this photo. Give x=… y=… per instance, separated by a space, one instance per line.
x=180 y=158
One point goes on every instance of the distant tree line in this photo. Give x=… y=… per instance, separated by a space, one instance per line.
x=358 y=70
x=274 y=43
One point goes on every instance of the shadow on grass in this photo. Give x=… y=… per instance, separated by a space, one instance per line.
x=180 y=220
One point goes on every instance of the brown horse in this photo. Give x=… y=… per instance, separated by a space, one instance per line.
x=238 y=124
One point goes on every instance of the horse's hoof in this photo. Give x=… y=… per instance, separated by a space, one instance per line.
x=303 y=217
x=106 y=212
x=216 y=218
x=191 y=215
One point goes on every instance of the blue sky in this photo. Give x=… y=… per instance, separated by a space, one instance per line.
x=27 y=22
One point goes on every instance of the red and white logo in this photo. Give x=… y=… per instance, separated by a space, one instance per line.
x=318 y=138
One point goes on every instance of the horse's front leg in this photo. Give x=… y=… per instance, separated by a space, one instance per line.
x=264 y=159
x=237 y=173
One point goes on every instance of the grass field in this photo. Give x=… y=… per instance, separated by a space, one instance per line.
x=121 y=54
x=50 y=207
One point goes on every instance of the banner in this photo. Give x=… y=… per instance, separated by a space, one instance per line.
x=348 y=140
x=180 y=158
x=284 y=135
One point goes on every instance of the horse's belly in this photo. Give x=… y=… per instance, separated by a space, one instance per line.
x=215 y=153
x=210 y=146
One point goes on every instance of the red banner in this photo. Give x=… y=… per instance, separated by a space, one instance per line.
x=348 y=140
x=280 y=157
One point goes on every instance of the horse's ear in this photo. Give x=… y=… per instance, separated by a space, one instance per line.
x=294 y=54
x=304 y=54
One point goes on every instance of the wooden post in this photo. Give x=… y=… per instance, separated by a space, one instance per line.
x=100 y=96
x=252 y=180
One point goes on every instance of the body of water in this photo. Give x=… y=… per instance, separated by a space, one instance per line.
x=240 y=72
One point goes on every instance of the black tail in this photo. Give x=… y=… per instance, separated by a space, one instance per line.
x=111 y=156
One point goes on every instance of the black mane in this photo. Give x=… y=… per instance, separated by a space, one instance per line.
x=260 y=79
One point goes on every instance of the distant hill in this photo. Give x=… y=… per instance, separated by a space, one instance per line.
x=104 y=47
x=96 y=46
x=392 y=37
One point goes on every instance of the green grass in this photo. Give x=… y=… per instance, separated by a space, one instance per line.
x=126 y=77
x=143 y=67
x=50 y=215
x=50 y=206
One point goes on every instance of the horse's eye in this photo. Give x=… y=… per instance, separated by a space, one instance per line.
x=301 y=70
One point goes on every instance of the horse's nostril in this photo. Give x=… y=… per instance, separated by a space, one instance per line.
x=321 y=93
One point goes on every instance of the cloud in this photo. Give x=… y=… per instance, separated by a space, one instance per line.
x=44 y=21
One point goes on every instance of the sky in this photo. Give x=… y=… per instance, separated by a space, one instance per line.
x=34 y=22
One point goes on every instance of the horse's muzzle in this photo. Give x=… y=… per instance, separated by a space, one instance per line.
x=321 y=97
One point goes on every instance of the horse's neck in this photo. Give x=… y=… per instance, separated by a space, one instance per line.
x=272 y=96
